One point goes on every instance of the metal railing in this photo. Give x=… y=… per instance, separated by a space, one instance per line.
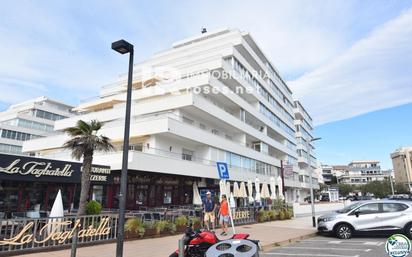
x=26 y=234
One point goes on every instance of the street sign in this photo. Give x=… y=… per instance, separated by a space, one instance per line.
x=222 y=170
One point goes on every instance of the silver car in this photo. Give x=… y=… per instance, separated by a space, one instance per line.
x=369 y=216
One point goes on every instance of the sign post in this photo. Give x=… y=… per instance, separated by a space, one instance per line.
x=223 y=172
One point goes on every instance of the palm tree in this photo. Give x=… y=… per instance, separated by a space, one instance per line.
x=83 y=143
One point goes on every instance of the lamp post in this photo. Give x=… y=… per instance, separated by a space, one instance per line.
x=312 y=198
x=124 y=47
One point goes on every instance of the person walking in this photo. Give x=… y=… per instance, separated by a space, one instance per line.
x=224 y=215
x=209 y=208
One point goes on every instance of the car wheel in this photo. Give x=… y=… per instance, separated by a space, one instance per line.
x=408 y=231
x=344 y=231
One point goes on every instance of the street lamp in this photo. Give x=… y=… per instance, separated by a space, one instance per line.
x=312 y=198
x=124 y=47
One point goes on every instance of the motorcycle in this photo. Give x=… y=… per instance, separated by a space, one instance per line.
x=197 y=243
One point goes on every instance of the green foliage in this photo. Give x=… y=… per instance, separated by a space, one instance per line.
x=379 y=189
x=262 y=216
x=271 y=215
x=160 y=226
x=345 y=189
x=181 y=221
x=401 y=188
x=93 y=208
x=170 y=227
x=134 y=225
x=282 y=214
x=195 y=221
x=148 y=225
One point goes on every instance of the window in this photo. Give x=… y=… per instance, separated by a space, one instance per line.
x=11 y=134
x=6 y=148
x=167 y=195
x=369 y=208
x=187 y=154
x=48 y=115
x=394 y=207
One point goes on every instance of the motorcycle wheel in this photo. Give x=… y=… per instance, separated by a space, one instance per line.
x=174 y=255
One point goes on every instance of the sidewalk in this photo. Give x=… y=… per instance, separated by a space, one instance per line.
x=270 y=234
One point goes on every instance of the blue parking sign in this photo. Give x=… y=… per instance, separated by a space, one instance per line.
x=223 y=170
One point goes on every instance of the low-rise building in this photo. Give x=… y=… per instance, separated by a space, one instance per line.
x=362 y=172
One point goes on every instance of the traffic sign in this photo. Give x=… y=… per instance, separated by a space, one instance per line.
x=222 y=170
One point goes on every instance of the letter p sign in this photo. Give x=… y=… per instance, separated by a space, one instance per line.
x=222 y=170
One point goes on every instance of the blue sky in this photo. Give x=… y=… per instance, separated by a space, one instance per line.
x=341 y=58
x=371 y=136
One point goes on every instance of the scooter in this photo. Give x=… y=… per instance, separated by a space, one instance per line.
x=196 y=244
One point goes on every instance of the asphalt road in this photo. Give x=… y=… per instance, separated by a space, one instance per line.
x=332 y=247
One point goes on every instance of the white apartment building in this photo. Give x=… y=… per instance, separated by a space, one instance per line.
x=213 y=97
x=29 y=120
x=362 y=172
x=306 y=156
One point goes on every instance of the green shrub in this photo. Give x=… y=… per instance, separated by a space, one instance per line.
x=170 y=227
x=160 y=226
x=181 y=221
x=262 y=216
x=141 y=231
x=195 y=221
x=282 y=214
x=148 y=225
x=271 y=215
x=133 y=225
x=93 y=208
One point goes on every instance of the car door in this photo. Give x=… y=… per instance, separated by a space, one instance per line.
x=392 y=216
x=366 y=217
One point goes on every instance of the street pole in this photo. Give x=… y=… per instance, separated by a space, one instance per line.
x=312 y=198
x=123 y=47
x=390 y=179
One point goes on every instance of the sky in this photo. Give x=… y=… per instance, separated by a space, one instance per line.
x=345 y=60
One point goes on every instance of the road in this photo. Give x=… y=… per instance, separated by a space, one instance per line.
x=332 y=247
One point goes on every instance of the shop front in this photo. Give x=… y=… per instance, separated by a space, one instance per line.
x=29 y=184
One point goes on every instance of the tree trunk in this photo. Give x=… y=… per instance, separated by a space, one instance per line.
x=85 y=182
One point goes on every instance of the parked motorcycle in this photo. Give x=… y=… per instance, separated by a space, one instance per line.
x=196 y=244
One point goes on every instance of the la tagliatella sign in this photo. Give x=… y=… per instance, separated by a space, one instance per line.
x=57 y=231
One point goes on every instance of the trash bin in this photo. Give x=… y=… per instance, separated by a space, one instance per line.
x=233 y=248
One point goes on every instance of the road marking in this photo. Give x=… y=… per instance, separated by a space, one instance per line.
x=323 y=248
x=371 y=243
x=334 y=242
x=306 y=254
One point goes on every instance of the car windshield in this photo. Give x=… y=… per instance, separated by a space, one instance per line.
x=349 y=208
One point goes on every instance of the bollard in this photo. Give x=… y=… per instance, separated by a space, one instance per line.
x=181 y=248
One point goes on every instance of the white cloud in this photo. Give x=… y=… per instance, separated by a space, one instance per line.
x=375 y=73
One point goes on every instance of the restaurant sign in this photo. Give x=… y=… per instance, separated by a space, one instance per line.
x=45 y=170
x=56 y=231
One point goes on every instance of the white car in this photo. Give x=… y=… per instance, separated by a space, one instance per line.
x=369 y=216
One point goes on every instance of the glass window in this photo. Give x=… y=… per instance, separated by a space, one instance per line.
x=369 y=208
x=394 y=207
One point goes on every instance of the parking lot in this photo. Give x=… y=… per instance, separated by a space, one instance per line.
x=332 y=247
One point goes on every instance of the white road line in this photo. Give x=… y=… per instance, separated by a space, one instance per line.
x=352 y=241
x=306 y=254
x=323 y=248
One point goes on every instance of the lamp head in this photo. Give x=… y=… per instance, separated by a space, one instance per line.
x=122 y=46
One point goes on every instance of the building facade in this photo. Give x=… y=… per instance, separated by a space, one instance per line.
x=362 y=172
x=305 y=148
x=211 y=98
x=29 y=120
x=402 y=165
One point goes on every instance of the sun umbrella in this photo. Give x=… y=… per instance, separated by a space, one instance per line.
x=232 y=201
x=257 y=187
x=236 y=190
x=196 y=196
x=222 y=188
x=273 y=188
x=250 y=191
x=265 y=190
x=57 y=212
x=243 y=190
x=280 y=187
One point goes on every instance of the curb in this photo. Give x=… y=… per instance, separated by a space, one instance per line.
x=267 y=247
